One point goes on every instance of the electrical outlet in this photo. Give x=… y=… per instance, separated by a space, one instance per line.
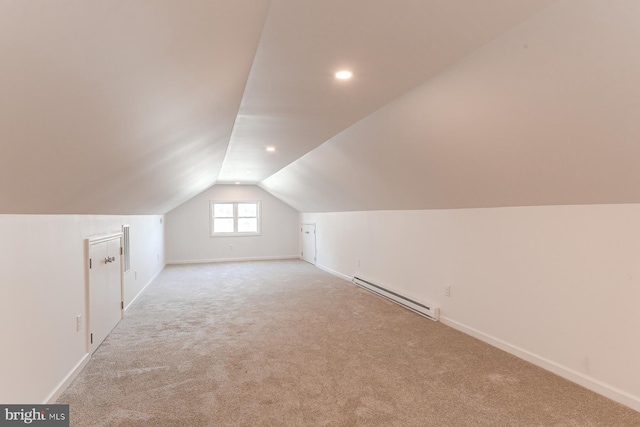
x=135 y=275
x=358 y=262
x=231 y=247
x=78 y=322
x=447 y=291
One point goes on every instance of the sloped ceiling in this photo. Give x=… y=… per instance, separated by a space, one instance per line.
x=136 y=106
x=121 y=106
x=548 y=113
x=292 y=100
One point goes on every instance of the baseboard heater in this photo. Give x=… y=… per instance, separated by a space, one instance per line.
x=429 y=312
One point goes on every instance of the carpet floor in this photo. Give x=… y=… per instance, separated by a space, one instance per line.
x=282 y=343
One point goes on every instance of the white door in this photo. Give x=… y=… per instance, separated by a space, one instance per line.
x=115 y=299
x=309 y=242
x=98 y=293
x=105 y=289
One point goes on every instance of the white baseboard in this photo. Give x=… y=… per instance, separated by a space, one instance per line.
x=62 y=385
x=585 y=381
x=207 y=261
x=144 y=288
x=335 y=273
x=579 y=378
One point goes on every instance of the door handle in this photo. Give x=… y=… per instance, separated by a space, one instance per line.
x=107 y=260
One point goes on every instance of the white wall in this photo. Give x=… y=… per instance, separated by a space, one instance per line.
x=558 y=285
x=188 y=238
x=43 y=289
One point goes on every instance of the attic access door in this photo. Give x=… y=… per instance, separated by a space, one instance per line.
x=105 y=287
x=309 y=242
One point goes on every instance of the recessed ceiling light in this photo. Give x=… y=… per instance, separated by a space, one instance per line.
x=271 y=148
x=237 y=183
x=248 y=172
x=344 y=75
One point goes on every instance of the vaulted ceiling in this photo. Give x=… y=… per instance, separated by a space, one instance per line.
x=136 y=106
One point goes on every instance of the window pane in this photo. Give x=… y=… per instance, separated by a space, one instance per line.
x=223 y=210
x=247 y=210
x=247 y=225
x=223 y=225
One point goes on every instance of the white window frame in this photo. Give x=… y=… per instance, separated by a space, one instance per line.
x=235 y=233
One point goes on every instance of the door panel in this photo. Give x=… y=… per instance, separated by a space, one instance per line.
x=309 y=243
x=98 y=294
x=105 y=290
x=115 y=289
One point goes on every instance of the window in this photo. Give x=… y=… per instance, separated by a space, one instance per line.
x=235 y=218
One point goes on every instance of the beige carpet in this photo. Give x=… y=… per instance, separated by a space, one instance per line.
x=283 y=343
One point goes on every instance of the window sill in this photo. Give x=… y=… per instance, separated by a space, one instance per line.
x=234 y=234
